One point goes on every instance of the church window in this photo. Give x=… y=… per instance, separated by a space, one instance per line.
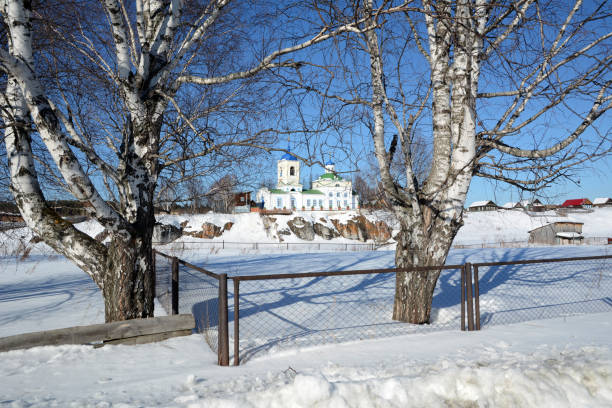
x=321 y=203
x=345 y=194
x=337 y=185
x=292 y=202
x=292 y=171
x=308 y=203
x=279 y=202
x=346 y=203
x=338 y=194
x=338 y=203
x=281 y=172
x=331 y=203
x=331 y=194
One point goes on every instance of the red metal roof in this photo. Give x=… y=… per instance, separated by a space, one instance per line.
x=576 y=202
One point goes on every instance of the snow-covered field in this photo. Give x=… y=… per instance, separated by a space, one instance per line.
x=556 y=362
x=559 y=362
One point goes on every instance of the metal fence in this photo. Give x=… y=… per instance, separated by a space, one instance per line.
x=257 y=247
x=269 y=312
x=260 y=314
x=517 y=291
x=202 y=293
x=526 y=244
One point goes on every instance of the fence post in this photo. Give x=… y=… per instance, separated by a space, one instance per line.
x=223 y=353
x=175 y=285
x=470 y=305
x=463 y=298
x=154 y=266
x=223 y=244
x=236 y=321
x=476 y=297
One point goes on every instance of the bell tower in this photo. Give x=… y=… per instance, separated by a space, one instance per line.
x=288 y=172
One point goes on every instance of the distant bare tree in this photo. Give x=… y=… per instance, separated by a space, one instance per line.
x=221 y=194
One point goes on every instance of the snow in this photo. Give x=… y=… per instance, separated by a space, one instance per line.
x=569 y=234
x=601 y=200
x=559 y=362
x=508 y=226
x=479 y=203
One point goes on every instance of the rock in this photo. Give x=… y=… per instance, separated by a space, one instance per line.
x=351 y=230
x=362 y=229
x=378 y=231
x=228 y=226
x=301 y=228
x=165 y=233
x=184 y=224
x=209 y=231
x=324 y=231
x=270 y=226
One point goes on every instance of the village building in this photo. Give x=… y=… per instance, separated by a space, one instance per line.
x=557 y=233
x=528 y=205
x=487 y=205
x=577 y=203
x=602 y=202
x=329 y=192
x=242 y=202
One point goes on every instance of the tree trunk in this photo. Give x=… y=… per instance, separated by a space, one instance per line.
x=129 y=284
x=414 y=289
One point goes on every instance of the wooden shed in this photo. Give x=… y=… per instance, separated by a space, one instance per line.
x=483 y=206
x=557 y=233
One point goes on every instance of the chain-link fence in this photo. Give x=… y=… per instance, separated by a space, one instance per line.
x=297 y=310
x=264 y=313
x=163 y=280
x=217 y=246
x=181 y=287
x=511 y=292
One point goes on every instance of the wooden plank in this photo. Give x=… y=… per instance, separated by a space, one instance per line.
x=99 y=332
x=149 y=338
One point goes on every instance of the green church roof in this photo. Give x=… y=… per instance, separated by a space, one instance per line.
x=312 y=192
x=330 y=176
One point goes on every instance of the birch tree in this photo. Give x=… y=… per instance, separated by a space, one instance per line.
x=142 y=58
x=514 y=91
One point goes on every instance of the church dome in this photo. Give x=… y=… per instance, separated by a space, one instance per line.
x=288 y=156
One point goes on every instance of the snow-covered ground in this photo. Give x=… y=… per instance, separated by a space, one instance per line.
x=487 y=227
x=562 y=362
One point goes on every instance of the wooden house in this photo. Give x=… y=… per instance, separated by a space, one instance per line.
x=242 y=202
x=602 y=202
x=528 y=205
x=557 y=233
x=483 y=206
x=577 y=203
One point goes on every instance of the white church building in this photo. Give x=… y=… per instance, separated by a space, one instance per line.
x=329 y=192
